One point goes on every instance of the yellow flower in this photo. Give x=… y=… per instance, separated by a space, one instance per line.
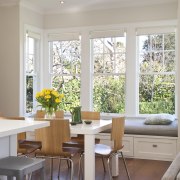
x=57 y=100
x=47 y=97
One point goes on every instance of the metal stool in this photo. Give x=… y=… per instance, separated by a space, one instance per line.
x=13 y=166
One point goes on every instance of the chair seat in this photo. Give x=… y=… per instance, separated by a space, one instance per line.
x=18 y=166
x=72 y=150
x=103 y=149
x=28 y=147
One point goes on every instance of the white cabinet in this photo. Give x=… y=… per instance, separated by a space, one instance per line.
x=154 y=148
x=146 y=147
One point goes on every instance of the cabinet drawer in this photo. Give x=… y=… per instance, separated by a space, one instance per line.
x=155 y=148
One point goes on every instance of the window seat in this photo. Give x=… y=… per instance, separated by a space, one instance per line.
x=137 y=127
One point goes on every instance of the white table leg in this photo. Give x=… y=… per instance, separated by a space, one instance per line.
x=89 y=159
x=13 y=145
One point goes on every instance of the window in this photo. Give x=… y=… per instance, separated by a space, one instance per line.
x=31 y=60
x=156 y=57
x=65 y=68
x=108 y=54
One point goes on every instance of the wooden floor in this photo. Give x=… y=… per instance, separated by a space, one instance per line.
x=139 y=170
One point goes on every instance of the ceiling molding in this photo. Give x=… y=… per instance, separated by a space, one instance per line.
x=31 y=6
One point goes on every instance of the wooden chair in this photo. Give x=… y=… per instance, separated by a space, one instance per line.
x=59 y=114
x=87 y=115
x=25 y=147
x=40 y=114
x=117 y=134
x=52 y=139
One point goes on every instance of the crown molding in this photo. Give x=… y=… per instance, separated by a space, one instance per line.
x=30 y=6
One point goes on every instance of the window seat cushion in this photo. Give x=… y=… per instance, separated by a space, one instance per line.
x=137 y=127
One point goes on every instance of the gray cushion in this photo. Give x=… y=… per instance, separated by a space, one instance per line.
x=160 y=119
x=137 y=126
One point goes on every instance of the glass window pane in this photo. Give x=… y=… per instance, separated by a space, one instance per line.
x=120 y=65
x=30 y=64
x=157 y=94
x=70 y=87
x=157 y=42
x=66 y=57
x=169 y=41
x=145 y=62
x=144 y=43
x=109 y=94
x=169 y=61
x=98 y=63
x=109 y=63
x=29 y=93
x=157 y=62
x=98 y=45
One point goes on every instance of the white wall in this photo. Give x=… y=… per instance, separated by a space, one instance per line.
x=9 y=60
x=112 y=16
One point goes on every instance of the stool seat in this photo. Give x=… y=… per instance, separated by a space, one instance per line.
x=15 y=166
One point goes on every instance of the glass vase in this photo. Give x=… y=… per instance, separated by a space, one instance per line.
x=49 y=113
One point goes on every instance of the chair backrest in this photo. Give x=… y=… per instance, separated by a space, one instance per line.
x=91 y=115
x=117 y=132
x=22 y=135
x=53 y=136
x=59 y=114
x=40 y=114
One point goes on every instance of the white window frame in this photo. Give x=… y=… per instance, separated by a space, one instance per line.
x=37 y=34
x=156 y=30
x=120 y=32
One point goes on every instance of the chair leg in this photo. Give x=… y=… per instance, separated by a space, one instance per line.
x=103 y=163
x=59 y=167
x=125 y=165
x=80 y=166
x=108 y=165
x=51 y=168
x=72 y=168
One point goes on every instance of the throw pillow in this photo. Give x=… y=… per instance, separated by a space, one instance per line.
x=160 y=119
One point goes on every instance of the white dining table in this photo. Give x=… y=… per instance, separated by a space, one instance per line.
x=89 y=132
x=9 y=130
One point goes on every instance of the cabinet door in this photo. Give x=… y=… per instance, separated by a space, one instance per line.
x=154 y=148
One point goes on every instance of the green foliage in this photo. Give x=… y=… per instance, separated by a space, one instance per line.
x=109 y=94
x=70 y=87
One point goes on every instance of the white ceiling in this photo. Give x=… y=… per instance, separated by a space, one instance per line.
x=54 y=6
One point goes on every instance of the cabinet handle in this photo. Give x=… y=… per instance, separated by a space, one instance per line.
x=154 y=145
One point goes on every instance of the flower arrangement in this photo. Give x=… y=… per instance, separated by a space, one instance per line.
x=49 y=99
